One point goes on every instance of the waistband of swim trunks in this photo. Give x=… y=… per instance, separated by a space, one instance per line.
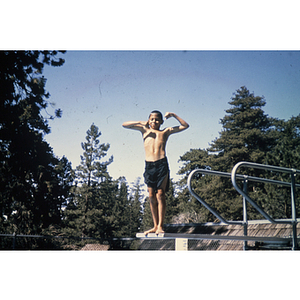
x=157 y=161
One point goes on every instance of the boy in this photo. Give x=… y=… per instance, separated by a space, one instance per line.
x=157 y=170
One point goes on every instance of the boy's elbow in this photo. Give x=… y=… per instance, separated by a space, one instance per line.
x=184 y=127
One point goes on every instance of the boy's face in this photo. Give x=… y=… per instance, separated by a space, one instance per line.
x=155 y=121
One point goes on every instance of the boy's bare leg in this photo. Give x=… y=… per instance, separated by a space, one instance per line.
x=161 y=199
x=158 y=207
x=154 y=210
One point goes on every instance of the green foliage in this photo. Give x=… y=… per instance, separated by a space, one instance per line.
x=31 y=190
x=285 y=153
x=23 y=93
x=286 y=150
x=134 y=209
x=91 y=170
x=147 y=222
x=37 y=195
x=89 y=211
x=172 y=203
x=248 y=134
x=101 y=207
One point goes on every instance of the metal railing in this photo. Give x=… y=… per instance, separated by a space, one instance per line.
x=245 y=178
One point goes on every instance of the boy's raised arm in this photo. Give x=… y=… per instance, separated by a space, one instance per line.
x=136 y=125
x=183 y=124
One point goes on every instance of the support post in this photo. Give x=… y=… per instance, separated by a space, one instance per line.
x=245 y=218
x=293 y=206
x=181 y=244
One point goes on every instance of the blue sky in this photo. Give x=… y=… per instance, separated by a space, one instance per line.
x=109 y=87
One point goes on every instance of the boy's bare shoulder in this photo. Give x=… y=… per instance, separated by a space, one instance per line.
x=166 y=129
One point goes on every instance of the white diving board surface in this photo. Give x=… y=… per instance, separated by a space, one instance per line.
x=180 y=243
x=150 y=235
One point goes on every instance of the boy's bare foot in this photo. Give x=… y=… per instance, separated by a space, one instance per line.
x=153 y=230
x=159 y=230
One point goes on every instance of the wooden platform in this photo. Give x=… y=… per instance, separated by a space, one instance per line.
x=262 y=235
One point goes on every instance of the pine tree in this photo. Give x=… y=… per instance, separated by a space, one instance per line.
x=172 y=203
x=147 y=221
x=285 y=153
x=246 y=136
x=27 y=162
x=135 y=208
x=190 y=210
x=121 y=210
x=64 y=178
x=90 y=212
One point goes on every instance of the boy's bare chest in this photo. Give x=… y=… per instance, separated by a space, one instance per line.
x=154 y=137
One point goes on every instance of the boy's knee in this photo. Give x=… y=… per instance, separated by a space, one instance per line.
x=152 y=195
x=160 y=193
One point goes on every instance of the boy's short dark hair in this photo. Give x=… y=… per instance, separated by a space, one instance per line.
x=158 y=113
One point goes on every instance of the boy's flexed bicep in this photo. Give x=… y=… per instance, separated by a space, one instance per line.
x=183 y=124
x=175 y=129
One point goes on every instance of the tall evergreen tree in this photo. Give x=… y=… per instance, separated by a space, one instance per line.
x=147 y=221
x=27 y=162
x=246 y=136
x=285 y=153
x=190 y=211
x=172 y=201
x=127 y=211
x=121 y=212
x=90 y=212
x=135 y=208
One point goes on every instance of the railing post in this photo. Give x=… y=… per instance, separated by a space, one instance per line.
x=293 y=206
x=245 y=218
x=14 y=241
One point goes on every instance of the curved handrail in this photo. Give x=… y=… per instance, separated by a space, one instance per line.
x=243 y=177
x=234 y=176
x=264 y=167
x=203 y=202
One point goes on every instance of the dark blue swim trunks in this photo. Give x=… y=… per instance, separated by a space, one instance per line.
x=156 y=172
